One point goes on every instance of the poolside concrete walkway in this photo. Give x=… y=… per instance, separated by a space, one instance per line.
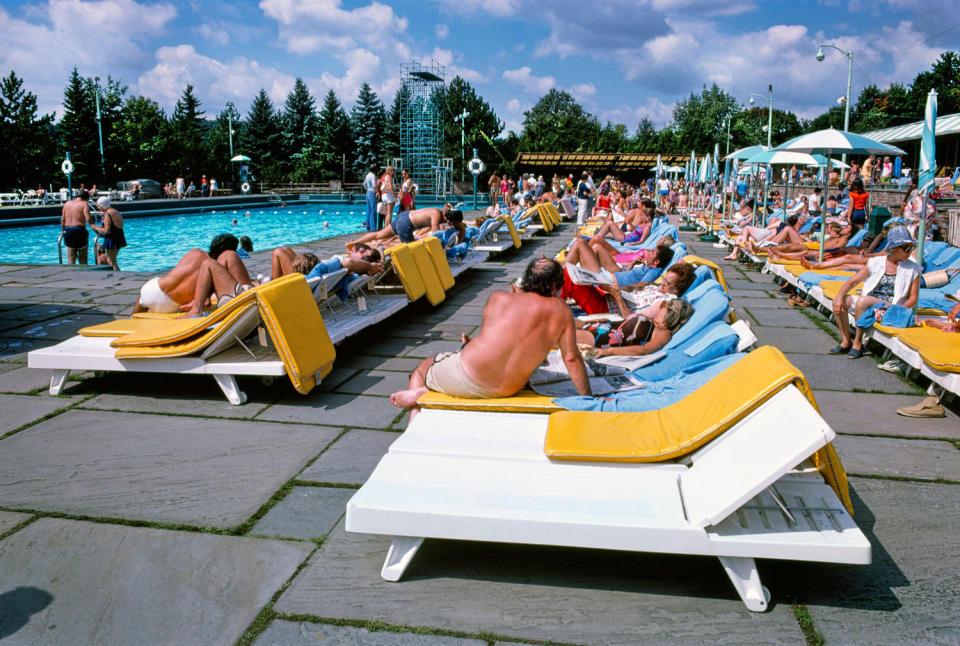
x=144 y=509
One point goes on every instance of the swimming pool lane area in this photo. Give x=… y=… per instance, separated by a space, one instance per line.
x=156 y=243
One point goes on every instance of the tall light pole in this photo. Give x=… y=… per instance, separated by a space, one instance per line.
x=769 y=98
x=462 y=118
x=233 y=179
x=103 y=169
x=849 y=55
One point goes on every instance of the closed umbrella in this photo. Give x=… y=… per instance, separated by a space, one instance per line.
x=928 y=166
x=830 y=141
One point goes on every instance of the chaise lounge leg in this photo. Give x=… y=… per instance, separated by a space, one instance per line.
x=57 y=379
x=746 y=579
x=228 y=384
x=401 y=552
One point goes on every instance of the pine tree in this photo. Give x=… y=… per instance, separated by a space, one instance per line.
x=299 y=125
x=188 y=130
x=78 y=130
x=367 y=121
x=335 y=139
x=261 y=139
x=26 y=139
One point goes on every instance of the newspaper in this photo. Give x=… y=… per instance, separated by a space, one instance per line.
x=598 y=386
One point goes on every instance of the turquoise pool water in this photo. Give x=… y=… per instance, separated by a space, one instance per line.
x=158 y=242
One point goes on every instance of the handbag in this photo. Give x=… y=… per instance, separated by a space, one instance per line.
x=940 y=277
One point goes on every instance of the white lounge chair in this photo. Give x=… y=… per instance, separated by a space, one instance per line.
x=749 y=493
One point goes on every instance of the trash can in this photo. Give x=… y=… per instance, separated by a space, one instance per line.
x=878 y=218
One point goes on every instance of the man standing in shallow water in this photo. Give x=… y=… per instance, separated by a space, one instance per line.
x=73 y=221
x=518 y=329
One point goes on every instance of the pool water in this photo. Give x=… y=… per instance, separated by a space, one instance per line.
x=158 y=242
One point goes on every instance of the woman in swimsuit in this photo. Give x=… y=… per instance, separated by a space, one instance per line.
x=641 y=333
x=387 y=195
x=112 y=231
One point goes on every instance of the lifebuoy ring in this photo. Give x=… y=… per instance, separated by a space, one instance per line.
x=66 y=166
x=245 y=187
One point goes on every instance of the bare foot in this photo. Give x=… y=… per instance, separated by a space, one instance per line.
x=407 y=398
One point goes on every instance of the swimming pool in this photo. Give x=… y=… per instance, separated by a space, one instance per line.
x=158 y=242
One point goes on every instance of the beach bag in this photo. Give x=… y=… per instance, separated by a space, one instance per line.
x=939 y=278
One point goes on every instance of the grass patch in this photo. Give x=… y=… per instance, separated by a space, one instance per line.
x=811 y=635
x=46 y=417
x=325 y=485
x=180 y=527
x=17 y=527
x=873 y=476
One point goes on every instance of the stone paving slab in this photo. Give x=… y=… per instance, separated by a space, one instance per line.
x=23 y=409
x=334 y=409
x=390 y=347
x=38 y=312
x=305 y=513
x=394 y=364
x=375 y=382
x=292 y=633
x=800 y=340
x=896 y=457
x=829 y=372
x=58 y=329
x=351 y=459
x=9 y=520
x=432 y=331
x=909 y=595
x=744 y=284
x=22 y=380
x=212 y=473
x=69 y=582
x=780 y=318
x=758 y=302
x=14 y=349
x=536 y=592
x=875 y=414
x=203 y=403
x=430 y=348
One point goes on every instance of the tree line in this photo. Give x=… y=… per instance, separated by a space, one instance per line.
x=300 y=141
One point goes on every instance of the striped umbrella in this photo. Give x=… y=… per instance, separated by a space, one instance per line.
x=928 y=165
x=716 y=160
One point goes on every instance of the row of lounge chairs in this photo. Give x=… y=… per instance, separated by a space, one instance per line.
x=297 y=340
x=722 y=452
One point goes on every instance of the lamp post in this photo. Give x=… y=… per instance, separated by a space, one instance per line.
x=769 y=143
x=233 y=179
x=103 y=170
x=462 y=118
x=849 y=55
x=723 y=213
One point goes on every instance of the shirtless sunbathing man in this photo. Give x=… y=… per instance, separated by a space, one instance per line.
x=518 y=329
x=190 y=283
x=838 y=237
x=404 y=224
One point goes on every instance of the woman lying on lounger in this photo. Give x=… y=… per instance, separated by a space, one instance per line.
x=838 y=238
x=642 y=332
x=360 y=259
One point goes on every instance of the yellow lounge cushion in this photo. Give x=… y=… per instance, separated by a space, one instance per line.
x=296 y=328
x=831 y=288
x=939 y=349
x=681 y=428
x=117 y=328
x=440 y=263
x=798 y=269
x=525 y=401
x=406 y=267
x=182 y=345
x=512 y=228
x=428 y=272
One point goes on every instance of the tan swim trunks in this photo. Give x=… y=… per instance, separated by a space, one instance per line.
x=446 y=376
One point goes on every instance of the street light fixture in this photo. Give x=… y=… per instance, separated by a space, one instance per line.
x=769 y=99
x=846 y=97
x=103 y=170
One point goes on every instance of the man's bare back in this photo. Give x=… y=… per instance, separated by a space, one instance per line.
x=76 y=213
x=517 y=332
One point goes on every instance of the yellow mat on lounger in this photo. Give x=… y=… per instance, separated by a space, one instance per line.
x=406 y=268
x=512 y=228
x=939 y=349
x=193 y=344
x=428 y=272
x=525 y=401
x=798 y=269
x=831 y=288
x=440 y=263
x=688 y=424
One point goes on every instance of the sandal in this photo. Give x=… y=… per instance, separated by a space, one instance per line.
x=840 y=350
x=855 y=353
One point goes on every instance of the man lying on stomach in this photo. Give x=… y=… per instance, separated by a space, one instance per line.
x=518 y=329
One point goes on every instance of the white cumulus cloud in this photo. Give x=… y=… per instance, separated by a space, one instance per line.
x=524 y=76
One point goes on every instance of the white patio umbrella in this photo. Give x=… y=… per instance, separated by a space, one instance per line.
x=746 y=153
x=240 y=158
x=830 y=141
x=928 y=166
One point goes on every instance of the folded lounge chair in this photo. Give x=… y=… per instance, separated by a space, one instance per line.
x=713 y=474
x=213 y=345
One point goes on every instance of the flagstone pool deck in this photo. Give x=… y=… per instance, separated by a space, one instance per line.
x=145 y=509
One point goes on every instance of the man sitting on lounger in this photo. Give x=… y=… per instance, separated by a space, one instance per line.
x=404 y=224
x=361 y=259
x=838 y=237
x=190 y=283
x=519 y=328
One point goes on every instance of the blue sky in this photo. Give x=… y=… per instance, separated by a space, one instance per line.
x=622 y=59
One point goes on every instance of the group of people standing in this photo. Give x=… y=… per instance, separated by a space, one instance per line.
x=180 y=189
x=74 y=220
x=383 y=197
